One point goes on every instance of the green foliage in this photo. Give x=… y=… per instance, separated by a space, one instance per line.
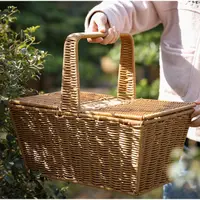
x=146 y=53
x=146 y=91
x=20 y=61
x=114 y=52
x=15 y=181
x=89 y=63
x=146 y=48
x=57 y=20
x=88 y=72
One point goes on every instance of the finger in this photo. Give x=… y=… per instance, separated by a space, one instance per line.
x=92 y=26
x=98 y=23
x=101 y=24
x=195 y=123
x=95 y=40
x=195 y=113
x=116 y=36
x=109 y=37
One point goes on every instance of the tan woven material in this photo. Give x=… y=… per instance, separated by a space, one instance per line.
x=119 y=143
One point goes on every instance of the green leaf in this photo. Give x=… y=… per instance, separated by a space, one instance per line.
x=9 y=178
x=31 y=29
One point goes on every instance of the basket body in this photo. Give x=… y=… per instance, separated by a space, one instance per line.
x=122 y=143
x=107 y=153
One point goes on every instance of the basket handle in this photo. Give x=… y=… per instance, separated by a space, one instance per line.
x=70 y=89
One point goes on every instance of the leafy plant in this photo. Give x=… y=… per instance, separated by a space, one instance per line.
x=20 y=62
x=147 y=47
x=144 y=90
x=57 y=20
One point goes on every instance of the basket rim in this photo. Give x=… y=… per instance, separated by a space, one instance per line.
x=144 y=116
x=184 y=106
x=122 y=121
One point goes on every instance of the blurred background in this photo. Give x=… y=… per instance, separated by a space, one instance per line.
x=98 y=66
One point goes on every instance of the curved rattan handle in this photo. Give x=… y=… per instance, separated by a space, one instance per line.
x=70 y=89
x=126 y=76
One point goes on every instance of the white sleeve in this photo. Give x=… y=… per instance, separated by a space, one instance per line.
x=127 y=16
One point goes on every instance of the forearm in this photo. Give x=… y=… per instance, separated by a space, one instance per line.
x=128 y=16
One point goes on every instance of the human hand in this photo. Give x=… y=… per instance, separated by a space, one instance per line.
x=195 y=117
x=99 y=23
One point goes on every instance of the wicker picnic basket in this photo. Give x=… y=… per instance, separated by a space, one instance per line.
x=119 y=143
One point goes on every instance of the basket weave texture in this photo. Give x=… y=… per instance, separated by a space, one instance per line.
x=119 y=143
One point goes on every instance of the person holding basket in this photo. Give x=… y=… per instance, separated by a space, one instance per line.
x=179 y=56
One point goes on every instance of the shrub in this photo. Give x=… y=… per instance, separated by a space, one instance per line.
x=20 y=62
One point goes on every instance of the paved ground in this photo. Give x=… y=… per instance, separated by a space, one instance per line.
x=84 y=192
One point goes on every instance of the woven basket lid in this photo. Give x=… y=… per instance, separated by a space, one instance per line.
x=107 y=105
x=141 y=109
